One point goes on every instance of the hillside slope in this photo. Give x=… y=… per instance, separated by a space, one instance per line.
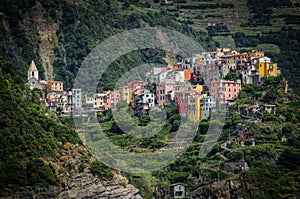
x=36 y=146
x=58 y=35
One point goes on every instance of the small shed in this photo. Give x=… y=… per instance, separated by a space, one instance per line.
x=177 y=190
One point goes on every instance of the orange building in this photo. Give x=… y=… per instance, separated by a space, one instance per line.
x=55 y=86
x=188 y=74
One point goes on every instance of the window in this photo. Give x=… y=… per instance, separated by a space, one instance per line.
x=32 y=73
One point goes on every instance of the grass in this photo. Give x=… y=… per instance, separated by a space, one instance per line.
x=225 y=41
x=269 y=48
x=234 y=28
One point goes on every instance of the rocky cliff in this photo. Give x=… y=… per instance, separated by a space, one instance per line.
x=85 y=185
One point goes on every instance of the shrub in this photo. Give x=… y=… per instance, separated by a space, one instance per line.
x=100 y=170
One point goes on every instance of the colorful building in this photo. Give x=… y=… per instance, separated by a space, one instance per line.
x=256 y=53
x=199 y=88
x=266 y=68
x=188 y=74
x=74 y=100
x=209 y=105
x=33 y=77
x=224 y=90
x=113 y=97
x=101 y=101
x=195 y=107
x=165 y=93
x=55 y=86
x=125 y=94
x=143 y=103
x=181 y=102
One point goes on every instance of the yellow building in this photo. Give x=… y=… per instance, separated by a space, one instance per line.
x=195 y=107
x=199 y=88
x=100 y=101
x=267 y=69
x=125 y=94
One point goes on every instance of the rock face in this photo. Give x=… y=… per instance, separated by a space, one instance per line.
x=85 y=185
x=34 y=22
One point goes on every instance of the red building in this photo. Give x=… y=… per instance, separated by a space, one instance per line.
x=181 y=101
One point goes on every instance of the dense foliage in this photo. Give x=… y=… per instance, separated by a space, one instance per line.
x=29 y=133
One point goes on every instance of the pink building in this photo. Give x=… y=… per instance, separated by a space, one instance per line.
x=181 y=101
x=224 y=90
x=113 y=98
x=165 y=93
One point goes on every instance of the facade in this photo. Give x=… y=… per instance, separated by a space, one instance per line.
x=101 y=101
x=187 y=87
x=266 y=68
x=177 y=190
x=32 y=71
x=181 y=101
x=143 y=103
x=224 y=90
x=195 y=107
x=55 y=86
x=89 y=99
x=199 y=88
x=165 y=93
x=188 y=74
x=179 y=76
x=256 y=53
x=114 y=97
x=33 y=77
x=250 y=110
x=209 y=105
x=125 y=94
x=160 y=77
x=74 y=100
x=270 y=108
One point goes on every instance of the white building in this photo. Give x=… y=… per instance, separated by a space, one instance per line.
x=74 y=100
x=209 y=105
x=33 y=77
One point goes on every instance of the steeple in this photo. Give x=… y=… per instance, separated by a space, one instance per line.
x=33 y=71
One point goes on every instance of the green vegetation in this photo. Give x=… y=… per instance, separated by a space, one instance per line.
x=271 y=171
x=34 y=139
x=224 y=41
x=27 y=135
x=100 y=170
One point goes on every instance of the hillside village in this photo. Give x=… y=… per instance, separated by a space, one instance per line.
x=197 y=86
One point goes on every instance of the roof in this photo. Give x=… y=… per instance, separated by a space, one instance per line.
x=178 y=183
x=269 y=105
x=32 y=67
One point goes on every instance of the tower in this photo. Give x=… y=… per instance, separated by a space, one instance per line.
x=32 y=71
